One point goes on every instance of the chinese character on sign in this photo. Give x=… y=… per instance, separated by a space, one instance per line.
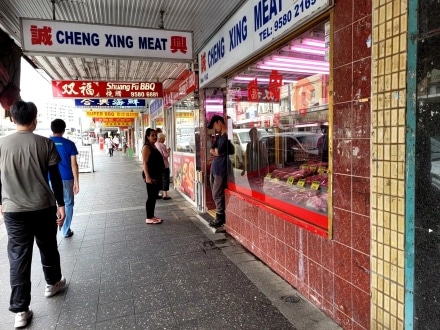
x=253 y=91
x=275 y=83
x=86 y=89
x=203 y=62
x=87 y=102
x=118 y=102
x=178 y=43
x=109 y=93
x=118 y=93
x=69 y=89
x=41 y=36
x=104 y=102
x=133 y=101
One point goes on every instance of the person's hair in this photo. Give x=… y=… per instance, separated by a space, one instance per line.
x=158 y=130
x=253 y=133
x=148 y=133
x=58 y=126
x=161 y=136
x=24 y=113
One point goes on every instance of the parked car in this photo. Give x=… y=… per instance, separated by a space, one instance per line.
x=240 y=139
x=287 y=148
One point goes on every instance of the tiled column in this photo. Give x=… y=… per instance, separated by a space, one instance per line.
x=388 y=163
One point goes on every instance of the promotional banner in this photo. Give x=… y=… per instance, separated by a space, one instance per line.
x=44 y=37
x=110 y=103
x=112 y=114
x=254 y=26
x=309 y=93
x=80 y=89
x=183 y=174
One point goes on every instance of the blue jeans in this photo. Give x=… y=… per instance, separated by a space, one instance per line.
x=69 y=202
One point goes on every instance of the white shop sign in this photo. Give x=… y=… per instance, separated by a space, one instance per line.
x=73 y=39
x=254 y=26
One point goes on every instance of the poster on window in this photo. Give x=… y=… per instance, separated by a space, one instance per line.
x=309 y=94
x=183 y=174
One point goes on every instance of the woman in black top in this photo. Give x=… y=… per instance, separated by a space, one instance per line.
x=153 y=165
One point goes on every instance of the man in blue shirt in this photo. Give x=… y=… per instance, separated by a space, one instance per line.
x=69 y=171
x=219 y=168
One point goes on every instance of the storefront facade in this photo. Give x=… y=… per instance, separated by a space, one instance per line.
x=298 y=104
x=181 y=121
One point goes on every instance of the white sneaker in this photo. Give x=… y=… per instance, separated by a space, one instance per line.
x=52 y=290
x=22 y=318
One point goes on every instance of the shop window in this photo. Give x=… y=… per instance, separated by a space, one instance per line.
x=279 y=110
x=185 y=125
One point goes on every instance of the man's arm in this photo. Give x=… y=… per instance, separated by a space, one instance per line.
x=57 y=187
x=75 y=170
x=57 y=184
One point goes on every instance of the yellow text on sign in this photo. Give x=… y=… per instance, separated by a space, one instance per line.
x=111 y=114
x=184 y=115
x=116 y=123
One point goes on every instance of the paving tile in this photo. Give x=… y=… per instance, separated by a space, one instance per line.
x=115 y=309
x=124 y=323
x=78 y=317
x=160 y=319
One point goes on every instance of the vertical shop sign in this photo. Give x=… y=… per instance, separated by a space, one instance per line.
x=253 y=91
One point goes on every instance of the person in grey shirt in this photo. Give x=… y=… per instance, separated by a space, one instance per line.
x=30 y=208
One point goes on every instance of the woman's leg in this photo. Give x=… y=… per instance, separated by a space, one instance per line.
x=152 y=191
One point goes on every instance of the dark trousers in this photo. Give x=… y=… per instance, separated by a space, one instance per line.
x=218 y=185
x=150 y=205
x=166 y=179
x=22 y=228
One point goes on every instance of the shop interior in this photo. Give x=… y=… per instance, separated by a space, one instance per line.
x=279 y=111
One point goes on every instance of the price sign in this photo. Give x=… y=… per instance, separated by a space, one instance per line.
x=290 y=180
x=322 y=170
x=304 y=167
x=315 y=185
x=301 y=182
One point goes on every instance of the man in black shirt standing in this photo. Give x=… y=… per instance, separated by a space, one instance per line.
x=219 y=168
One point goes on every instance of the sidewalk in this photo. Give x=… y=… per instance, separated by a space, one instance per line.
x=125 y=274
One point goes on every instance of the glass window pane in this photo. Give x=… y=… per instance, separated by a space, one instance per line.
x=279 y=109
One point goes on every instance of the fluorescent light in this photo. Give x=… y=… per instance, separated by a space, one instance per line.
x=214 y=108
x=308 y=50
x=296 y=66
x=290 y=69
x=313 y=42
x=300 y=61
x=241 y=78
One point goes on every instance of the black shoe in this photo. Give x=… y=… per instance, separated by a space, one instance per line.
x=218 y=222
x=159 y=197
x=69 y=234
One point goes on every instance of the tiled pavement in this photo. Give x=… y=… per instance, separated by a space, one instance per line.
x=124 y=274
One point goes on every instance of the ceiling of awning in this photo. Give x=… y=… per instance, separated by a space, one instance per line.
x=202 y=17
